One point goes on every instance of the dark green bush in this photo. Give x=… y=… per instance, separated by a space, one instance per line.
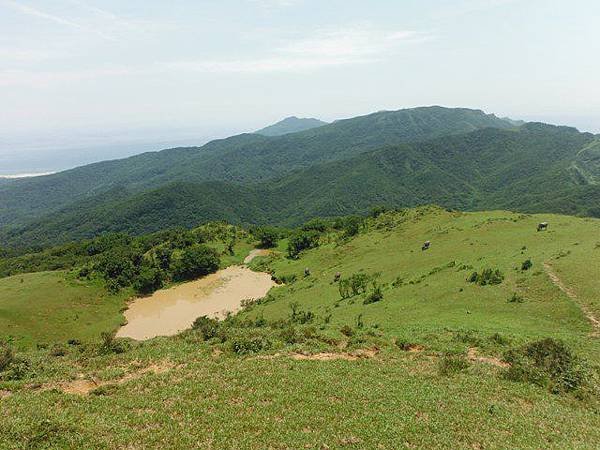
x=247 y=345
x=58 y=350
x=195 y=261
x=302 y=240
x=206 y=326
x=486 y=277
x=268 y=236
x=374 y=296
x=549 y=363
x=526 y=265
x=289 y=335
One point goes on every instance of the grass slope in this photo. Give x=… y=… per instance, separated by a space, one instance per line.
x=50 y=307
x=182 y=392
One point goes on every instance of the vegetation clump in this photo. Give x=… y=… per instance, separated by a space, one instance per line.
x=486 y=277
x=7 y=356
x=526 y=265
x=548 y=363
x=206 y=326
x=302 y=240
x=452 y=363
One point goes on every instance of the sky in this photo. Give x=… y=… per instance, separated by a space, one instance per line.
x=84 y=80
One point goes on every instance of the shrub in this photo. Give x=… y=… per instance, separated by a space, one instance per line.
x=206 y=326
x=452 y=363
x=516 y=298
x=299 y=316
x=549 y=363
x=289 y=335
x=7 y=356
x=148 y=280
x=487 y=276
x=526 y=265
x=111 y=345
x=267 y=236
x=18 y=369
x=375 y=296
x=247 y=345
x=195 y=261
x=302 y=240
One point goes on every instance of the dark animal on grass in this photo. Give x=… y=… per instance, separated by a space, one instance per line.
x=426 y=245
x=307 y=272
x=542 y=226
x=337 y=277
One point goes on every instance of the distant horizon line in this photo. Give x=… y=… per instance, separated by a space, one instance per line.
x=25 y=175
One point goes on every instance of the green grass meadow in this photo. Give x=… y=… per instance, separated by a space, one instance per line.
x=209 y=395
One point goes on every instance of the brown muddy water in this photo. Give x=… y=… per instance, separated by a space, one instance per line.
x=169 y=311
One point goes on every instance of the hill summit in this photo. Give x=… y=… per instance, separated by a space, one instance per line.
x=289 y=125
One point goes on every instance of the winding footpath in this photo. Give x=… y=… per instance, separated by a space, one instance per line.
x=573 y=296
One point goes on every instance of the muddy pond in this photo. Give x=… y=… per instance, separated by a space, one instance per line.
x=170 y=311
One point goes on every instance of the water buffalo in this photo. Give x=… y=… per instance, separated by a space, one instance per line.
x=337 y=277
x=426 y=245
x=542 y=226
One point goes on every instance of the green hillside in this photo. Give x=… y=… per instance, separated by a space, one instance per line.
x=423 y=358
x=290 y=125
x=536 y=168
x=247 y=158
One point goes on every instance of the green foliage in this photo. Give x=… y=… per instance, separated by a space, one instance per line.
x=302 y=240
x=452 y=363
x=376 y=295
x=7 y=356
x=548 y=363
x=206 y=326
x=486 y=277
x=196 y=261
x=526 y=265
x=268 y=236
x=516 y=298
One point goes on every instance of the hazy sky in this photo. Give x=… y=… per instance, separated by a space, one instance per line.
x=136 y=70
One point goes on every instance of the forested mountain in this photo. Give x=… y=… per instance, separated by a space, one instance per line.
x=289 y=125
x=247 y=158
x=536 y=168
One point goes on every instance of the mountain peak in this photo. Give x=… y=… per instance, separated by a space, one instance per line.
x=291 y=124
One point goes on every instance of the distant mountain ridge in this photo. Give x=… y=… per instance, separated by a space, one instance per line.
x=289 y=125
x=533 y=168
x=243 y=159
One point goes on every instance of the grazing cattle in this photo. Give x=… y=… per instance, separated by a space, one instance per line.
x=307 y=272
x=426 y=245
x=337 y=277
x=542 y=226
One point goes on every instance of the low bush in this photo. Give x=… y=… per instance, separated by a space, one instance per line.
x=526 y=265
x=374 y=296
x=206 y=326
x=110 y=344
x=247 y=345
x=7 y=356
x=347 y=331
x=452 y=363
x=58 y=350
x=548 y=363
x=486 y=277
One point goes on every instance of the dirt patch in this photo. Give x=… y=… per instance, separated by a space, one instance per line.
x=573 y=296
x=327 y=356
x=4 y=394
x=473 y=356
x=84 y=386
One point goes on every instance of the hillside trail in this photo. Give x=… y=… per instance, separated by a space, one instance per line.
x=573 y=296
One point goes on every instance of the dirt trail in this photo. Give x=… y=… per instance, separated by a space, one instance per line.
x=573 y=296
x=255 y=253
x=84 y=386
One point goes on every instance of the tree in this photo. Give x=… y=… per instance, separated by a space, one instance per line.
x=302 y=240
x=195 y=261
x=149 y=279
x=267 y=236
